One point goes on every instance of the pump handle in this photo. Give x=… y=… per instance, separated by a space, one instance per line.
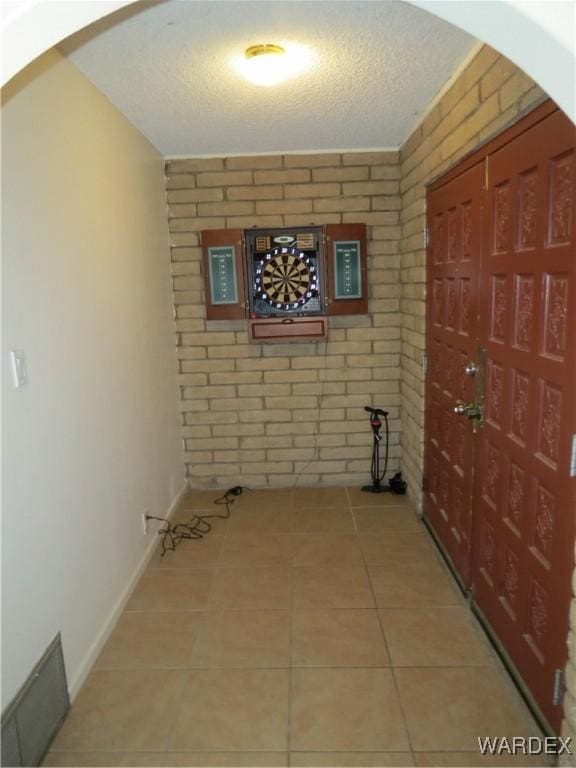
x=375 y=411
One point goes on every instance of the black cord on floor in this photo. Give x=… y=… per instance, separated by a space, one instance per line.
x=198 y=526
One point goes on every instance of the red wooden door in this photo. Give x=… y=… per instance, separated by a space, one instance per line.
x=454 y=226
x=523 y=542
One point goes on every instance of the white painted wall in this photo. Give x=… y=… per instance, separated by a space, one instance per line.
x=539 y=36
x=93 y=439
x=31 y=27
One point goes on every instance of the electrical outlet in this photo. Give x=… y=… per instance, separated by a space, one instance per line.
x=145 y=522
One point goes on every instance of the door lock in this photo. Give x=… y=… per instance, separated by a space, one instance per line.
x=471 y=369
x=472 y=411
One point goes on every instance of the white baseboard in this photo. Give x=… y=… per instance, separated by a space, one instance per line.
x=77 y=680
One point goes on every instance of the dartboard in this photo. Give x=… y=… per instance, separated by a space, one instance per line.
x=286 y=278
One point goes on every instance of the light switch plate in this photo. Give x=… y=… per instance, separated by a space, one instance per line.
x=19 y=372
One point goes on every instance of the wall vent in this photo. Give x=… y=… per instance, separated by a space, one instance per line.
x=31 y=721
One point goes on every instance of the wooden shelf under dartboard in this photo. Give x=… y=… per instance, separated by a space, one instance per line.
x=288 y=329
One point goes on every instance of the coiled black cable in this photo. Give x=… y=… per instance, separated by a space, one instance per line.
x=198 y=526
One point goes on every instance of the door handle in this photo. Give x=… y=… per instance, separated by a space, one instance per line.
x=472 y=411
x=463 y=409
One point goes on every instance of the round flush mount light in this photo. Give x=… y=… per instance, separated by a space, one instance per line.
x=269 y=64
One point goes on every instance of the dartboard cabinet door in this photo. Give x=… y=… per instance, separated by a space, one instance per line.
x=346 y=269
x=223 y=270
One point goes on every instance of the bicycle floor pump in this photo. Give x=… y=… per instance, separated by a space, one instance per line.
x=376 y=425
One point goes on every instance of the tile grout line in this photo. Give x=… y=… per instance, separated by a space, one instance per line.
x=171 y=733
x=392 y=668
x=299 y=666
x=290 y=645
x=216 y=565
x=180 y=698
x=354 y=521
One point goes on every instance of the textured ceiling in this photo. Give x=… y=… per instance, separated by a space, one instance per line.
x=166 y=64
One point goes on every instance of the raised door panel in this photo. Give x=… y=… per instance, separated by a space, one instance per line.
x=454 y=226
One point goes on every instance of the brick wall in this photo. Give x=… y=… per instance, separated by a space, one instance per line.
x=261 y=414
x=488 y=95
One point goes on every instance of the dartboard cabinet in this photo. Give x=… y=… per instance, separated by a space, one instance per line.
x=285 y=281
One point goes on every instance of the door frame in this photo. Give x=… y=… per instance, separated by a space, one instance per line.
x=523 y=122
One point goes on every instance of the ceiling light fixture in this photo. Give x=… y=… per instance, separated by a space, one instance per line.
x=270 y=64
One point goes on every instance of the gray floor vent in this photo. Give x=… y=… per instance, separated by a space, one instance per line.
x=31 y=721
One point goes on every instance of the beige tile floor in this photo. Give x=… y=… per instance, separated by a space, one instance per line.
x=316 y=627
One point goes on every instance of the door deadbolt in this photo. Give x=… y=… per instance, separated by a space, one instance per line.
x=471 y=369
